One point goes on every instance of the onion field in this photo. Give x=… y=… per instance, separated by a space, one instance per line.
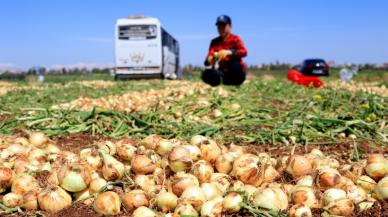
x=92 y=146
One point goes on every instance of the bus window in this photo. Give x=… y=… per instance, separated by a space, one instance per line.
x=137 y=32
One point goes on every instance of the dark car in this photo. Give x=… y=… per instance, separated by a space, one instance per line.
x=314 y=67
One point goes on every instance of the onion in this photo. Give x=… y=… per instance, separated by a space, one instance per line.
x=211 y=191
x=195 y=152
x=96 y=185
x=107 y=203
x=142 y=164
x=38 y=139
x=212 y=208
x=30 y=200
x=298 y=166
x=270 y=198
x=12 y=200
x=328 y=178
x=355 y=193
x=185 y=209
x=82 y=195
x=376 y=166
x=6 y=175
x=250 y=190
x=166 y=201
x=22 y=141
x=237 y=186
x=16 y=149
x=145 y=183
x=39 y=155
x=247 y=169
x=381 y=189
x=197 y=140
x=352 y=172
x=300 y=210
x=317 y=153
x=343 y=207
x=68 y=157
x=180 y=159
x=135 y=199
x=144 y=212
x=74 y=177
x=366 y=182
x=332 y=195
x=150 y=141
x=202 y=170
x=232 y=202
x=305 y=181
x=20 y=164
x=112 y=168
x=181 y=181
x=90 y=158
x=24 y=183
x=304 y=195
x=221 y=181
x=164 y=146
x=194 y=196
x=270 y=173
x=224 y=163
x=108 y=147
x=209 y=151
x=237 y=150
x=126 y=151
x=53 y=199
x=365 y=205
x=281 y=164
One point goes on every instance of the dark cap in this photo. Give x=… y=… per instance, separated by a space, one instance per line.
x=224 y=19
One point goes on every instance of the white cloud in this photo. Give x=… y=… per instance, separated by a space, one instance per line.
x=81 y=65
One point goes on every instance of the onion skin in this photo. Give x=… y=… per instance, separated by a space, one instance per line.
x=74 y=178
x=6 y=175
x=107 y=203
x=38 y=139
x=202 y=170
x=151 y=141
x=112 y=168
x=211 y=191
x=298 y=166
x=54 y=199
x=142 y=164
x=332 y=195
x=270 y=198
x=24 y=183
x=212 y=208
x=96 y=185
x=30 y=200
x=185 y=209
x=194 y=196
x=367 y=183
x=209 y=151
x=231 y=202
x=304 y=195
x=166 y=201
x=376 y=166
x=12 y=200
x=224 y=163
x=247 y=169
x=181 y=181
x=300 y=210
x=343 y=207
x=135 y=199
x=126 y=151
x=180 y=159
x=328 y=178
x=381 y=189
x=144 y=212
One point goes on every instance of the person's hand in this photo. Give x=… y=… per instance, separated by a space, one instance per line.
x=222 y=54
x=210 y=60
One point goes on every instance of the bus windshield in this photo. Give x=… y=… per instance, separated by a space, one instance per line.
x=137 y=32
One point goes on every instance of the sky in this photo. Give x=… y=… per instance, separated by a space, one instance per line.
x=71 y=33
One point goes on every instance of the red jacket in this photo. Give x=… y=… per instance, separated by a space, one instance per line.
x=233 y=43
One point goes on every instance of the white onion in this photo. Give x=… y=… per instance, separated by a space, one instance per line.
x=38 y=139
x=74 y=178
x=144 y=212
x=232 y=202
x=355 y=193
x=202 y=170
x=305 y=181
x=212 y=208
x=180 y=159
x=166 y=201
x=211 y=191
x=381 y=189
x=164 y=146
x=96 y=185
x=270 y=198
x=332 y=195
x=194 y=196
x=376 y=166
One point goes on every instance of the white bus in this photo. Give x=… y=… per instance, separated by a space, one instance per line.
x=144 y=49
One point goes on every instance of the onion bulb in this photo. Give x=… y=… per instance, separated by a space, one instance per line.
x=150 y=141
x=107 y=203
x=24 y=183
x=232 y=202
x=343 y=207
x=197 y=140
x=74 y=177
x=237 y=186
x=185 y=209
x=142 y=164
x=53 y=199
x=366 y=182
x=30 y=200
x=355 y=193
x=164 y=146
x=6 y=175
x=166 y=201
x=328 y=178
x=194 y=196
x=126 y=151
x=270 y=198
x=270 y=173
x=38 y=139
x=209 y=151
x=181 y=181
x=12 y=200
x=112 y=169
x=304 y=195
x=135 y=199
x=332 y=195
x=96 y=185
x=144 y=212
x=247 y=169
x=224 y=163
x=108 y=147
x=195 y=152
x=221 y=181
x=381 y=189
x=305 y=181
x=202 y=170
x=376 y=166
x=212 y=208
x=180 y=159
x=298 y=166
x=300 y=210
x=145 y=183
x=211 y=191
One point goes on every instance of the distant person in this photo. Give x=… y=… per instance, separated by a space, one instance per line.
x=224 y=60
